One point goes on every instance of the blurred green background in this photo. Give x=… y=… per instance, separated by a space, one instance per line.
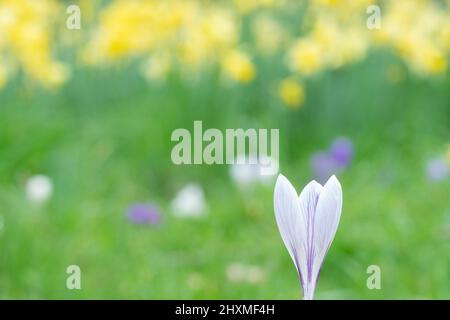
x=103 y=138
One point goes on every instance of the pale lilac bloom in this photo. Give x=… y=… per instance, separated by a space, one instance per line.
x=341 y=152
x=141 y=213
x=323 y=166
x=326 y=163
x=437 y=169
x=307 y=225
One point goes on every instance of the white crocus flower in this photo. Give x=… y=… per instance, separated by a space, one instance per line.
x=307 y=224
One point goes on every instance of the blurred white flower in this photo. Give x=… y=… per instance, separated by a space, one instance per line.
x=39 y=188
x=237 y=272
x=189 y=201
x=248 y=170
x=255 y=274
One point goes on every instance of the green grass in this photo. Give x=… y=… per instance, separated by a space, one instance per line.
x=104 y=139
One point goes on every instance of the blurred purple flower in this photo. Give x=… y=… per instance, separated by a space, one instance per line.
x=342 y=152
x=437 y=169
x=326 y=163
x=141 y=213
x=323 y=166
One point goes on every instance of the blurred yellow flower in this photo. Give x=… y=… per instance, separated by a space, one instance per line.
x=187 y=33
x=192 y=34
x=419 y=33
x=306 y=56
x=52 y=74
x=339 y=45
x=444 y=35
x=210 y=33
x=291 y=93
x=238 y=66
x=88 y=8
x=429 y=59
x=247 y=6
x=269 y=35
x=344 y=10
x=26 y=37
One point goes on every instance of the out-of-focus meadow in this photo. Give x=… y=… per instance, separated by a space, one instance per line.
x=86 y=117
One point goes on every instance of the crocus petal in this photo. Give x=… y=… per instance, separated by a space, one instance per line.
x=308 y=200
x=326 y=220
x=291 y=223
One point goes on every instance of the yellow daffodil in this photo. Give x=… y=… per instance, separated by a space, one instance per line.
x=268 y=33
x=306 y=56
x=26 y=36
x=291 y=93
x=238 y=66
